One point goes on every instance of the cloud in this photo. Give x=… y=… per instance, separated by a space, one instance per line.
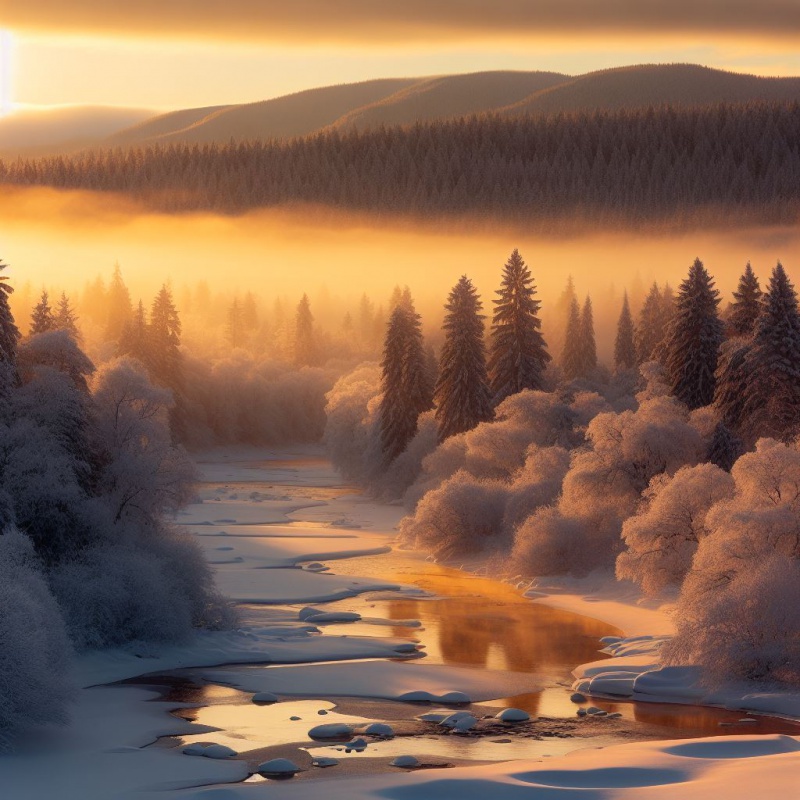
x=376 y=22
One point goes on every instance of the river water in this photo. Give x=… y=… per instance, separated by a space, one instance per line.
x=465 y=621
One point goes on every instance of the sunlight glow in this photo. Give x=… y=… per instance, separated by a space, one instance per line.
x=6 y=44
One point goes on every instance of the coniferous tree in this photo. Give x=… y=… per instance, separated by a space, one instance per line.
x=165 y=341
x=731 y=382
x=694 y=339
x=624 y=346
x=9 y=337
x=42 y=319
x=135 y=338
x=744 y=310
x=772 y=364
x=725 y=448
x=235 y=325
x=118 y=306
x=557 y=326
x=462 y=395
x=517 y=353
x=650 y=330
x=250 y=312
x=305 y=346
x=572 y=355
x=588 y=347
x=65 y=318
x=405 y=382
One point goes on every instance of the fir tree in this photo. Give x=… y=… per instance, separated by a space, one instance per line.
x=772 y=364
x=305 y=347
x=118 y=306
x=730 y=390
x=405 y=382
x=165 y=341
x=744 y=310
x=557 y=326
x=588 y=347
x=462 y=395
x=650 y=330
x=134 y=339
x=235 y=326
x=725 y=448
x=9 y=337
x=42 y=319
x=65 y=318
x=694 y=338
x=518 y=353
x=572 y=356
x=624 y=346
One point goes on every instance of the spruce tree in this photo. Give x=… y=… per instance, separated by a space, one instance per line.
x=65 y=318
x=305 y=346
x=772 y=364
x=405 y=382
x=235 y=325
x=135 y=338
x=694 y=338
x=744 y=310
x=624 y=346
x=518 y=353
x=118 y=305
x=588 y=347
x=650 y=330
x=42 y=318
x=557 y=326
x=731 y=382
x=462 y=395
x=725 y=448
x=9 y=337
x=165 y=341
x=572 y=356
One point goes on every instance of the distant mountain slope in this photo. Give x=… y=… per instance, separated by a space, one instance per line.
x=63 y=129
x=654 y=85
x=163 y=124
x=292 y=115
x=450 y=96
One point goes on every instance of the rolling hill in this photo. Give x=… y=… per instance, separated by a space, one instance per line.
x=401 y=101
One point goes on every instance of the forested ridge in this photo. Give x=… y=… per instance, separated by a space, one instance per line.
x=732 y=162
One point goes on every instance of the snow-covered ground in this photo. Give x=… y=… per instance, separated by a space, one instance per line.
x=265 y=521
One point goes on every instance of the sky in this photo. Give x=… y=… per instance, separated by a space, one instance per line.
x=164 y=54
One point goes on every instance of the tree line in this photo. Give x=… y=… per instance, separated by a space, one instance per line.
x=644 y=166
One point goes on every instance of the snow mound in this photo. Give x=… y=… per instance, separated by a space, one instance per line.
x=209 y=751
x=605 y=777
x=279 y=767
x=513 y=715
x=404 y=761
x=331 y=730
x=265 y=697
x=333 y=616
x=736 y=748
x=421 y=696
x=378 y=729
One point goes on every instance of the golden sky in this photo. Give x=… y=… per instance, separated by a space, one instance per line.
x=178 y=53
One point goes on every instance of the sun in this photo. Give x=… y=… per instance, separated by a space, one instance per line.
x=5 y=72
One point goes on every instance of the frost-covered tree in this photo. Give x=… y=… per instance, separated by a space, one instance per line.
x=517 y=351
x=771 y=366
x=694 y=339
x=739 y=609
x=588 y=348
x=572 y=354
x=405 y=386
x=462 y=395
x=650 y=328
x=42 y=318
x=725 y=447
x=118 y=306
x=556 y=322
x=661 y=537
x=624 y=345
x=235 y=325
x=730 y=390
x=65 y=318
x=305 y=345
x=165 y=340
x=35 y=655
x=746 y=306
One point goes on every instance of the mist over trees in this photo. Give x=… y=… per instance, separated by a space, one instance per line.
x=683 y=166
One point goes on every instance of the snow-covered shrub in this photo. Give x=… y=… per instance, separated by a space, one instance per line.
x=661 y=538
x=537 y=484
x=350 y=424
x=129 y=590
x=550 y=543
x=463 y=516
x=35 y=685
x=737 y=613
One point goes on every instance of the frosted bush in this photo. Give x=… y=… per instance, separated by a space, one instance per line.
x=549 y=543
x=35 y=684
x=462 y=517
x=662 y=537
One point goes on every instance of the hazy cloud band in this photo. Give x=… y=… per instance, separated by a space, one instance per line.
x=376 y=21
